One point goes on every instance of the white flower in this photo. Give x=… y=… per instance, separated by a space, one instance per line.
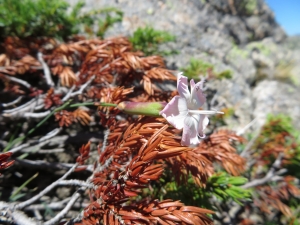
x=182 y=111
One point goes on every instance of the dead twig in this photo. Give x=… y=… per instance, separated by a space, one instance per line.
x=82 y=87
x=19 y=81
x=46 y=70
x=62 y=214
x=21 y=219
x=46 y=165
x=41 y=142
x=36 y=115
x=55 y=205
x=33 y=104
x=46 y=190
x=5 y=105
x=268 y=177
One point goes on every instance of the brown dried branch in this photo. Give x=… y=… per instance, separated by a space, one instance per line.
x=52 y=99
x=218 y=147
x=84 y=152
x=66 y=75
x=24 y=65
x=153 y=212
x=194 y=162
x=82 y=116
x=273 y=197
x=64 y=117
x=113 y=95
x=145 y=141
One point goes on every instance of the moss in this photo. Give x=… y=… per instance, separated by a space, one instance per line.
x=263 y=48
x=238 y=52
x=226 y=74
x=250 y=6
x=284 y=72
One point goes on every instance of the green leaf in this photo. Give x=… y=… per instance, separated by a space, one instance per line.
x=225 y=187
x=15 y=195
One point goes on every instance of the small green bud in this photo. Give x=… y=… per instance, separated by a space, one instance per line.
x=142 y=108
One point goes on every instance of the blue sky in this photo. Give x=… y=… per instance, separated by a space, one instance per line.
x=287 y=14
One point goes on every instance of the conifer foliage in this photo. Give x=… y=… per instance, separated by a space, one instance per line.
x=57 y=88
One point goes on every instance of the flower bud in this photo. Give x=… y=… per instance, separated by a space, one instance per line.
x=142 y=108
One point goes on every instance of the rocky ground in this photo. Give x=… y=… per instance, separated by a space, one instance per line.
x=240 y=36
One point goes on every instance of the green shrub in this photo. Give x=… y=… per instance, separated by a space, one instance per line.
x=199 y=67
x=112 y=15
x=36 y=18
x=148 y=39
x=196 y=68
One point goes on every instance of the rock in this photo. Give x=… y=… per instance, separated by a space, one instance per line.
x=274 y=97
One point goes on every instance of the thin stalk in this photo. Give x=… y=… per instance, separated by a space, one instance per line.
x=22 y=186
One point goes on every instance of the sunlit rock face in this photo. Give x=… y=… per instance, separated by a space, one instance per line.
x=236 y=35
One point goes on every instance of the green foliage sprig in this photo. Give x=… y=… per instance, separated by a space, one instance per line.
x=148 y=39
x=112 y=16
x=198 y=67
x=221 y=185
x=225 y=187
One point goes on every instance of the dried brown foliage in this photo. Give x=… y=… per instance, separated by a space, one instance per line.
x=82 y=116
x=4 y=60
x=52 y=99
x=274 y=140
x=153 y=212
x=110 y=63
x=219 y=148
x=113 y=95
x=274 y=150
x=4 y=161
x=84 y=152
x=199 y=161
x=134 y=157
x=66 y=118
x=66 y=75
x=274 y=197
x=13 y=88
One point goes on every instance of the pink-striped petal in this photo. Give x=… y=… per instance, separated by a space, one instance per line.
x=182 y=87
x=203 y=122
x=175 y=112
x=198 y=98
x=190 y=131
